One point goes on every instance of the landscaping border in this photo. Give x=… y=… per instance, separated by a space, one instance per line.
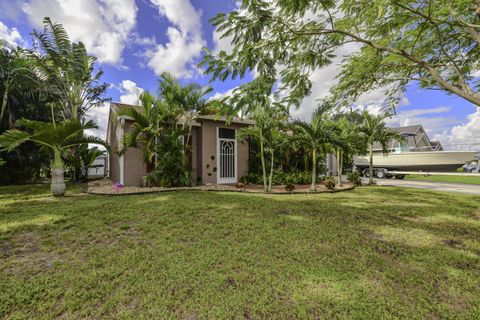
x=213 y=189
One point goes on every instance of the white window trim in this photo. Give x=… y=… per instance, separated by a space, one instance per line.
x=235 y=178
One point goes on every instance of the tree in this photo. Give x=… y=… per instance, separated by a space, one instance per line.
x=88 y=157
x=69 y=72
x=375 y=130
x=434 y=43
x=16 y=75
x=57 y=138
x=316 y=135
x=162 y=127
x=269 y=120
x=346 y=143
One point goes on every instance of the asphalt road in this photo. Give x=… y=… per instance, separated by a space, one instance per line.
x=438 y=186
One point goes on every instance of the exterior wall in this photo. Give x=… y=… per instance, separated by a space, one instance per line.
x=208 y=151
x=203 y=148
x=135 y=167
x=113 y=158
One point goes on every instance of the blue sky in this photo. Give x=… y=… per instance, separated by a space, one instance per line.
x=137 y=40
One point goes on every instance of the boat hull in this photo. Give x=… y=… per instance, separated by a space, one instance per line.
x=435 y=161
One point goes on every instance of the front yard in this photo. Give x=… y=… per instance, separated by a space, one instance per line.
x=371 y=253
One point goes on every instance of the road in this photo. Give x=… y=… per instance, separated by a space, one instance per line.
x=438 y=186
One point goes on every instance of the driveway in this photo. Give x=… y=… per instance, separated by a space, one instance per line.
x=438 y=186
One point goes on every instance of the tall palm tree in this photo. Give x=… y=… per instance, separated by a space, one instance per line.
x=69 y=71
x=347 y=143
x=146 y=126
x=269 y=119
x=316 y=135
x=374 y=130
x=56 y=137
x=157 y=131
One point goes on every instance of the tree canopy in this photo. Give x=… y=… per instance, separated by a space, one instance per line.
x=433 y=43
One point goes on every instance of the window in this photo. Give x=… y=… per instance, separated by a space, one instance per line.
x=224 y=133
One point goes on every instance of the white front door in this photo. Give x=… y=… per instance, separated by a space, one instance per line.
x=226 y=156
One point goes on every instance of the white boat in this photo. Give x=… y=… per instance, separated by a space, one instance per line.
x=428 y=161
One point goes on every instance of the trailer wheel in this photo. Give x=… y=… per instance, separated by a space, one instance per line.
x=400 y=176
x=366 y=173
x=380 y=174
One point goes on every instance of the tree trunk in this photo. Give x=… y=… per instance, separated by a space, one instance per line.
x=4 y=101
x=370 y=166
x=313 y=187
x=271 y=172
x=339 y=167
x=58 y=182
x=264 y=169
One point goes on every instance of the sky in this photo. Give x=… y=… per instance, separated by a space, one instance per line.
x=135 y=41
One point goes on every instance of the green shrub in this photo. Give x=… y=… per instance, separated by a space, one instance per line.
x=329 y=183
x=354 y=178
x=279 y=178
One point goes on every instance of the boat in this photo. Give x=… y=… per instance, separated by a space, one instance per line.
x=427 y=161
x=415 y=153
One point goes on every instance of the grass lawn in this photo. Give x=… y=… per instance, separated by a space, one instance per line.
x=373 y=253
x=450 y=179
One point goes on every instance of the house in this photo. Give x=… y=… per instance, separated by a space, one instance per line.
x=216 y=156
x=416 y=140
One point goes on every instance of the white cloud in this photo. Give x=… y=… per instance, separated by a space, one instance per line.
x=185 y=42
x=130 y=92
x=12 y=36
x=221 y=95
x=103 y=25
x=221 y=44
x=100 y=116
x=323 y=80
x=464 y=136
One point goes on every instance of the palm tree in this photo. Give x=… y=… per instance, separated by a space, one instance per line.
x=316 y=136
x=146 y=127
x=16 y=74
x=375 y=130
x=70 y=72
x=269 y=120
x=347 y=143
x=56 y=137
x=88 y=157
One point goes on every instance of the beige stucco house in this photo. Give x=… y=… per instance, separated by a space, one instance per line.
x=217 y=156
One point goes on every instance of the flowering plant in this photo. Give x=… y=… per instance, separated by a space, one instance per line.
x=117 y=186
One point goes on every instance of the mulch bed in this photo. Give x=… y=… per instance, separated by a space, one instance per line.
x=105 y=187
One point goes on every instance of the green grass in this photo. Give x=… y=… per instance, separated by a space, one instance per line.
x=450 y=179
x=373 y=253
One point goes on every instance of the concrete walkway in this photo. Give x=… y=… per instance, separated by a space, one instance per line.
x=438 y=186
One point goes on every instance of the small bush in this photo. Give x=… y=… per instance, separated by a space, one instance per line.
x=289 y=183
x=147 y=181
x=329 y=183
x=354 y=178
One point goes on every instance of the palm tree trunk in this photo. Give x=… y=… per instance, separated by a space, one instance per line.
x=58 y=182
x=370 y=167
x=313 y=187
x=339 y=167
x=4 y=101
x=264 y=169
x=271 y=172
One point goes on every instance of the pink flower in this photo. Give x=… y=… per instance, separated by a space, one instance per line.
x=117 y=186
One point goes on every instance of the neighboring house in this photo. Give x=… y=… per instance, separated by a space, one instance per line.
x=216 y=157
x=416 y=139
x=97 y=169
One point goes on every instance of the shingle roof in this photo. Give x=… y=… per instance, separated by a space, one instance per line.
x=408 y=129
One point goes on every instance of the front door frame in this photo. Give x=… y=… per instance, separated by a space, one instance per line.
x=227 y=180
